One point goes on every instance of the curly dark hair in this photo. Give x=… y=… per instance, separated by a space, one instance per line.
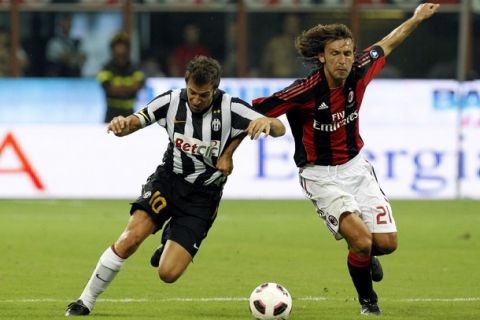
x=313 y=41
x=204 y=70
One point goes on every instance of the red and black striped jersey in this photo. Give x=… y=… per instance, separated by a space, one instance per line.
x=324 y=121
x=197 y=139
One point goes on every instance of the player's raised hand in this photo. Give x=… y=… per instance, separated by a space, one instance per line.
x=425 y=11
x=257 y=126
x=120 y=126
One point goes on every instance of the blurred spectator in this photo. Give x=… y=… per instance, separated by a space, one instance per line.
x=150 y=64
x=230 y=63
x=120 y=79
x=94 y=29
x=277 y=3
x=390 y=71
x=63 y=54
x=188 y=2
x=189 y=48
x=372 y=1
x=279 y=57
x=448 y=70
x=5 y=61
x=443 y=70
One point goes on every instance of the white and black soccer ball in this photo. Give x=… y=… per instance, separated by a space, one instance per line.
x=270 y=301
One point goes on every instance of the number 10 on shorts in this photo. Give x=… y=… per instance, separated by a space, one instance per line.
x=157 y=202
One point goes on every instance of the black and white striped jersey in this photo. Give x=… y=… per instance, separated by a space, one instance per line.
x=197 y=139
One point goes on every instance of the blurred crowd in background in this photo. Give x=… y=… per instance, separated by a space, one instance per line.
x=69 y=39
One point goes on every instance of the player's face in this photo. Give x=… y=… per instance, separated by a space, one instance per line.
x=337 y=60
x=199 y=97
x=120 y=53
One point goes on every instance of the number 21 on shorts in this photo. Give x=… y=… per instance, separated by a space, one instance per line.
x=384 y=216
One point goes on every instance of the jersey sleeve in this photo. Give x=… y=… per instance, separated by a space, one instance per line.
x=242 y=114
x=293 y=96
x=155 y=111
x=369 y=63
x=104 y=77
x=139 y=77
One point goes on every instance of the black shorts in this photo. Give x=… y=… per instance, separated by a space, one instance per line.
x=189 y=209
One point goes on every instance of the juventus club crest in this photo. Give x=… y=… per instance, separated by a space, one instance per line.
x=216 y=125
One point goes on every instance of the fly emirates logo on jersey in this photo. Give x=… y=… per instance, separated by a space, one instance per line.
x=197 y=147
x=338 y=120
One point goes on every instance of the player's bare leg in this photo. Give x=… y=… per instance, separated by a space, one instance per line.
x=359 y=240
x=356 y=233
x=173 y=261
x=139 y=227
x=383 y=243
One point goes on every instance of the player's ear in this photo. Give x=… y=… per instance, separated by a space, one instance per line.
x=321 y=57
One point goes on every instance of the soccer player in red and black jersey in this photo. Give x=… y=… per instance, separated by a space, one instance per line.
x=323 y=113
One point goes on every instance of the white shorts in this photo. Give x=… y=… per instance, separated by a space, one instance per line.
x=350 y=187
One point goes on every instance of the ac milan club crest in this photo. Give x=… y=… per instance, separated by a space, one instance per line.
x=350 y=96
x=332 y=220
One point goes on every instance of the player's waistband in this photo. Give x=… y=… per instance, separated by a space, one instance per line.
x=337 y=168
x=215 y=187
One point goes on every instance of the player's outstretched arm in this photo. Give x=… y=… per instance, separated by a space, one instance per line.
x=399 y=34
x=269 y=126
x=121 y=126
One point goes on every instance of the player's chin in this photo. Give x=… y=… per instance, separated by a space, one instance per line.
x=196 y=109
x=341 y=74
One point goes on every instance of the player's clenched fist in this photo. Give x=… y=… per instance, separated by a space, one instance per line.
x=425 y=10
x=120 y=126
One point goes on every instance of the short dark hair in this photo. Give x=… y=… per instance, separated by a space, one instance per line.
x=313 y=41
x=120 y=38
x=204 y=70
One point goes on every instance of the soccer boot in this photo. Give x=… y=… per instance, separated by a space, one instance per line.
x=376 y=269
x=155 y=258
x=370 y=309
x=369 y=306
x=77 y=308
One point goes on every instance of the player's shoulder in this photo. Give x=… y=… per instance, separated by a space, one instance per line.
x=165 y=97
x=225 y=97
x=302 y=85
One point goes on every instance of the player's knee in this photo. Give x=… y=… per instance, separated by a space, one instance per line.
x=387 y=244
x=388 y=247
x=362 y=246
x=168 y=276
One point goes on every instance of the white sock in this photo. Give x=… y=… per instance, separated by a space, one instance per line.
x=107 y=268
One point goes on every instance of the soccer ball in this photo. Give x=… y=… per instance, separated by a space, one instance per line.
x=270 y=301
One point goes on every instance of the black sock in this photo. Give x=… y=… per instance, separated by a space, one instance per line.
x=359 y=269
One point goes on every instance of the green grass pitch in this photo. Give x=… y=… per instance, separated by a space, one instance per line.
x=49 y=248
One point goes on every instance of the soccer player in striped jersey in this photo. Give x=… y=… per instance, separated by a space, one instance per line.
x=183 y=194
x=323 y=113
